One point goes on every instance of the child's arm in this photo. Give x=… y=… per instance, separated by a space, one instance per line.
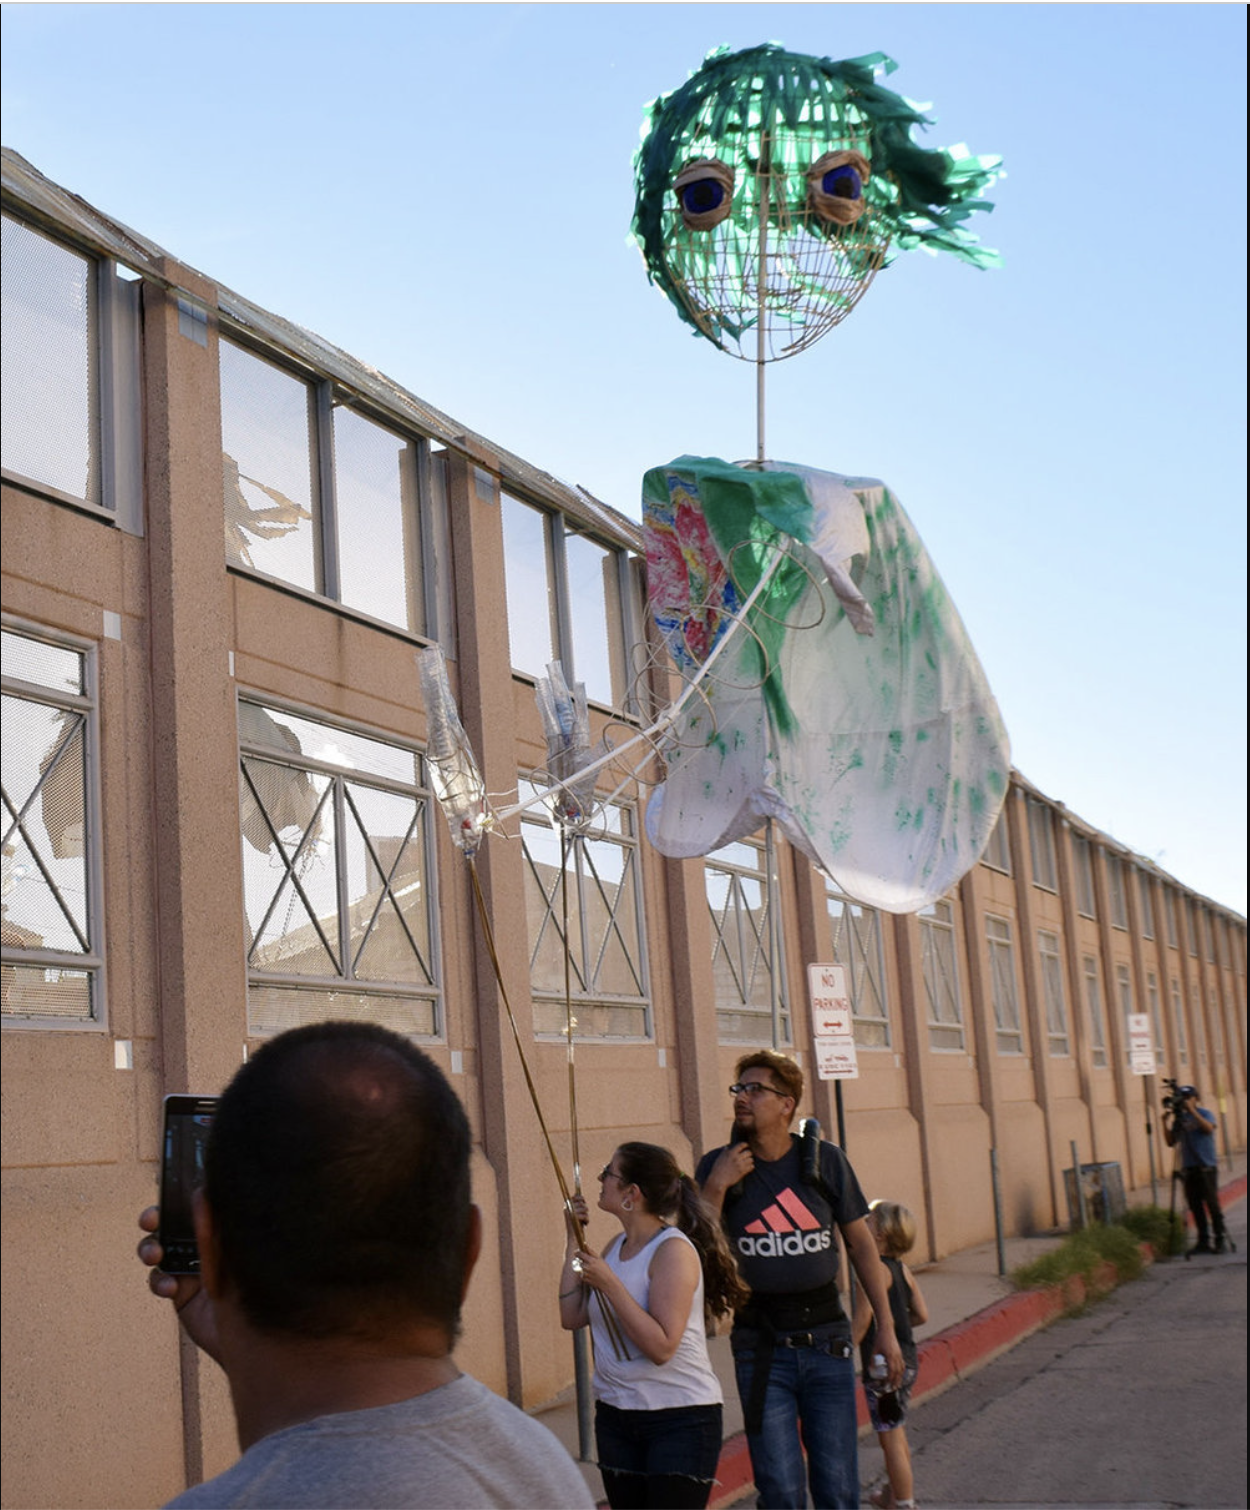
x=863 y=1318
x=916 y=1308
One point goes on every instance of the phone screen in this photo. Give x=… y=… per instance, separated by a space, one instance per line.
x=187 y=1123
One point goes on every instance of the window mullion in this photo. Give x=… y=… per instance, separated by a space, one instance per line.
x=322 y=404
x=561 y=630
x=346 y=963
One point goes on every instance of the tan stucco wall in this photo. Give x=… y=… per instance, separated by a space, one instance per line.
x=103 y=1406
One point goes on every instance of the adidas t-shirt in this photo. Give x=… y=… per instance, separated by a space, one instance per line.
x=780 y=1229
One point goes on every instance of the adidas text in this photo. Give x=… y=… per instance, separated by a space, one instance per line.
x=783 y=1244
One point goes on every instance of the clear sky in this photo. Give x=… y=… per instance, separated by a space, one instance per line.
x=445 y=191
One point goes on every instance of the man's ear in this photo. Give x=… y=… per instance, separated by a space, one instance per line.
x=472 y=1249
x=206 y=1237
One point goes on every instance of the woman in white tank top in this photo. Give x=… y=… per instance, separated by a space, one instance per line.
x=658 y=1401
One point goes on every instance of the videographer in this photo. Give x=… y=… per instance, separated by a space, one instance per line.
x=1193 y=1127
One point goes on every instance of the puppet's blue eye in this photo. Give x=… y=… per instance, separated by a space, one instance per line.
x=843 y=182
x=702 y=196
x=704 y=190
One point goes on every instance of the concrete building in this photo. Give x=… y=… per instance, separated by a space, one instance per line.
x=224 y=542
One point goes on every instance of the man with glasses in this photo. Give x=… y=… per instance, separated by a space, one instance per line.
x=792 y=1341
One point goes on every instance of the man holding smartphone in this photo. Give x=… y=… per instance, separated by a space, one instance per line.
x=336 y=1239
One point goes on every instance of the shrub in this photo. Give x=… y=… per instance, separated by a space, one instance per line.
x=1163 y=1230
x=1084 y=1253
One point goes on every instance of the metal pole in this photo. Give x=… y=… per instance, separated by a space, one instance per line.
x=998 y=1214
x=761 y=292
x=1080 y=1186
x=585 y=1402
x=1148 y=1088
x=774 y=963
x=837 y=1101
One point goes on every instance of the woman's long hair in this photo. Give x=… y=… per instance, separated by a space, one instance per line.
x=670 y=1193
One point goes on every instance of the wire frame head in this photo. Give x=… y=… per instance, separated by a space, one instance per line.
x=772 y=186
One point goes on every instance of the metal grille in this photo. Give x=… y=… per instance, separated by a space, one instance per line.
x=1003 y=985
x=941 y=976
x=51 y=396
x=337 y=874
x=1093 y=1000
x=606 y=955
x=857 y=945
x=47 y=930
x=746 y=976
x=1052 y=992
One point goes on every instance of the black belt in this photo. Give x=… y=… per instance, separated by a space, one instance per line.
x=766 y=1342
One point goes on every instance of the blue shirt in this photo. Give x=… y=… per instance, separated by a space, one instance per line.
x=1197 y=1146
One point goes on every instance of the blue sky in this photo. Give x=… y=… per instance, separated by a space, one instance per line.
x=445 y=191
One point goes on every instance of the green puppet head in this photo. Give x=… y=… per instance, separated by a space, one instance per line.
x=804 y=167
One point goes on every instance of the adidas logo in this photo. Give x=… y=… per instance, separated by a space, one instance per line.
x=784 y=1230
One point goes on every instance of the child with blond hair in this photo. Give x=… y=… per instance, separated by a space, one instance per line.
x=894 y=1229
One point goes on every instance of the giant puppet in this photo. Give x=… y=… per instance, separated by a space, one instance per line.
x=847 y=703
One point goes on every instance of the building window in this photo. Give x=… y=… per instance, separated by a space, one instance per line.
x=71 y=415
x=1200 y=1031
x=1052 y=993
x=1093 y=1001
x=338 y=876
x=751 y=1002
x=568 y=597
x=324 y=497
x=998 y=851
x=52 y=947
x=1156 y=1014
x=1083 y=863
x=855 y=938
x=1208 y=928
x=941 y=976
x=1217 y=1031
x=599 y=890
x=1124 y=989
x=1145 y=894
x=1003 y=985
x=1191 y=923
x=1170 y=903
x=1042 y=845
x=1178 y=1020
x=1115 y=890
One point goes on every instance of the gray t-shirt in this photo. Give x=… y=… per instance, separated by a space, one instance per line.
x=456 y=1446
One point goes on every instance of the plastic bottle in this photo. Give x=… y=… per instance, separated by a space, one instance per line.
x=889 y=1408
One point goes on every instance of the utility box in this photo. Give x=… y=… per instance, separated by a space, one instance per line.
x=1103 y=1188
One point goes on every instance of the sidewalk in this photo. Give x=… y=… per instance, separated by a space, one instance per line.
x=974 y=1315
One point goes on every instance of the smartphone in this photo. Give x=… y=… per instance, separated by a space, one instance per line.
x=187 y=1123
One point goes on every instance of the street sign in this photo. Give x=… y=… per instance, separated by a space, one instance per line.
x=831 y=1002
x=1141 y=1045
x=835 y=1059
x=833 y=1032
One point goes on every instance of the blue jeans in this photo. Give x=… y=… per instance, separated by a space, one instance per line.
x=665 y=1458
x=810 y=1404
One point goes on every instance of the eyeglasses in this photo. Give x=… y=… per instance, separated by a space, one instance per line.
x=608 y=1173
x=754 y=1088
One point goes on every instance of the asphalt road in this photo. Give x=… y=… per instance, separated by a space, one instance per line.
x=1141 y=1402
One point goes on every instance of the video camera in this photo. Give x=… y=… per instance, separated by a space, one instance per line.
x=1177 y=1096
